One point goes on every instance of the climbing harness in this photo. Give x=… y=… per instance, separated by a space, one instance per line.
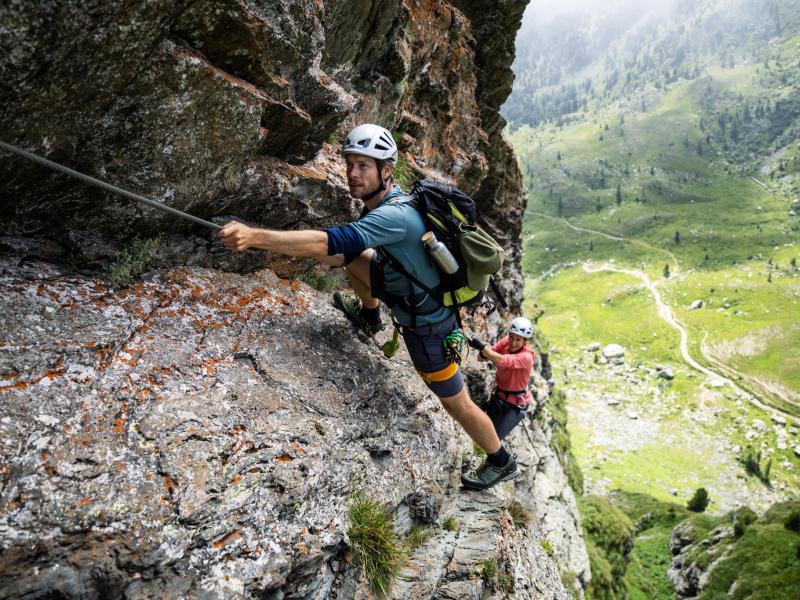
x=106 y=186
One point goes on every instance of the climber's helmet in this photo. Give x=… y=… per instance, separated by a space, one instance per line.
x=521 y=327
x=371 y=140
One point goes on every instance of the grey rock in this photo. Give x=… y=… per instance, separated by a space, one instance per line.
x=697 y=304
x=689 y=578
x=613 y=351
x=213 y=427
x=422 y=507
x=665 y=373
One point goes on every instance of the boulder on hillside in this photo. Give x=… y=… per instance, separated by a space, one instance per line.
x=697 y=304
x=613 y=351
x=593 y=347
x=665 y=373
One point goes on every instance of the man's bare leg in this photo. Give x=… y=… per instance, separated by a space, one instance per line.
x=475 y=422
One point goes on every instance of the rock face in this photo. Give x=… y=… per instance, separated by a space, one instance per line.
x=221 y=107
x=201 y=434
x=687 y=576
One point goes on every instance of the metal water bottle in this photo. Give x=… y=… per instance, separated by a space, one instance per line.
x=439 y=253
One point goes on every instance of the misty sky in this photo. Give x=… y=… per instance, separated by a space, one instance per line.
x=541 y=11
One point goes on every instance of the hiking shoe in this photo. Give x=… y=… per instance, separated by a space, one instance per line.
x=350 y=304
x=487 y=475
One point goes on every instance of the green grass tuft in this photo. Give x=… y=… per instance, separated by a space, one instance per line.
x=374 y=544
x=450 y=524
x=547 y=546
x=519 y=514
x=403 y=174
x=506 y=582
x=489 y=571
x=478 y=451
x=418 y=535
x=322 y=282
x=131 y=262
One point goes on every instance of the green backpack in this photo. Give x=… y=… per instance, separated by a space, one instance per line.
x=450 y=214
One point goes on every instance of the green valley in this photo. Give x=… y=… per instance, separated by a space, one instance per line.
x=661 y=151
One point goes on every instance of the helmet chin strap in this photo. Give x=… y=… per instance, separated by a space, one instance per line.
x=375 y=192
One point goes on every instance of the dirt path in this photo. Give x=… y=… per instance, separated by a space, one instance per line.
x=665 y=312
x=675 y=264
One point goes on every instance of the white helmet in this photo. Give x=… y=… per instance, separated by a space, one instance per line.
x=371 y=140
x=522 y=327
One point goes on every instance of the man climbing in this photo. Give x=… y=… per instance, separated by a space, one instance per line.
x=390 y=223
x=514 y=361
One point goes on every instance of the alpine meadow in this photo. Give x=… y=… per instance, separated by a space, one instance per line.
x=660 y=147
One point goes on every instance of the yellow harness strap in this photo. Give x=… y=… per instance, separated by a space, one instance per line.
x=442 y=375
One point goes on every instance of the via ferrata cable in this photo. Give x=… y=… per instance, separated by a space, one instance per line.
x=106 y=186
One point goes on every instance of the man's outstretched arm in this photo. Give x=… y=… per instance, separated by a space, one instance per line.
x=239 y=237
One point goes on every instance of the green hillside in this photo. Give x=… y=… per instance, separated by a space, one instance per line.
x=662 y=159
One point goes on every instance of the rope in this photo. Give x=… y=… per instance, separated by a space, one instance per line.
x=106 y=186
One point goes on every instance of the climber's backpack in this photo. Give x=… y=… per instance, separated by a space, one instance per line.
x=450 y=214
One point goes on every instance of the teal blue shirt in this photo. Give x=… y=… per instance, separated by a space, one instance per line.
x=398 y=227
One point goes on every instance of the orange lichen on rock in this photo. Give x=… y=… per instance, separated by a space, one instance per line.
x=231 y=537
x=169 y=483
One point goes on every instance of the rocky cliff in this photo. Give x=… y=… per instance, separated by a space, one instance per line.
x=222 y=107
x=199 y=434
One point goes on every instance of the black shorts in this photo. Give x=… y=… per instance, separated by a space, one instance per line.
x=504 y=416
x=430 y=358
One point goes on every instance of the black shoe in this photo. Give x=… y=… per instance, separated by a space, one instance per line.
x=487 y=475
x=350 y=304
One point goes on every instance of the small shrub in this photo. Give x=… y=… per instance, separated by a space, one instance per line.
x=738 y=529
x=374 y=543
x=450 y=524
x=792 y=522
x=546 y=546
x=518 y=513
x=746 y=515
x=418 y=535
x=489 y=570
x=699 y=502
x=131 y=262
x=322 y=282
x=506 y=582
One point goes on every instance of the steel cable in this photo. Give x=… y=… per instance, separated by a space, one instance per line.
x=106 y=186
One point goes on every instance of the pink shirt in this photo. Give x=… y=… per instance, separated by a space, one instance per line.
x=514 y=372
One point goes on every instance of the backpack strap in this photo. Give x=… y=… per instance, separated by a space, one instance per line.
x=497 y=293
x=398 y=266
